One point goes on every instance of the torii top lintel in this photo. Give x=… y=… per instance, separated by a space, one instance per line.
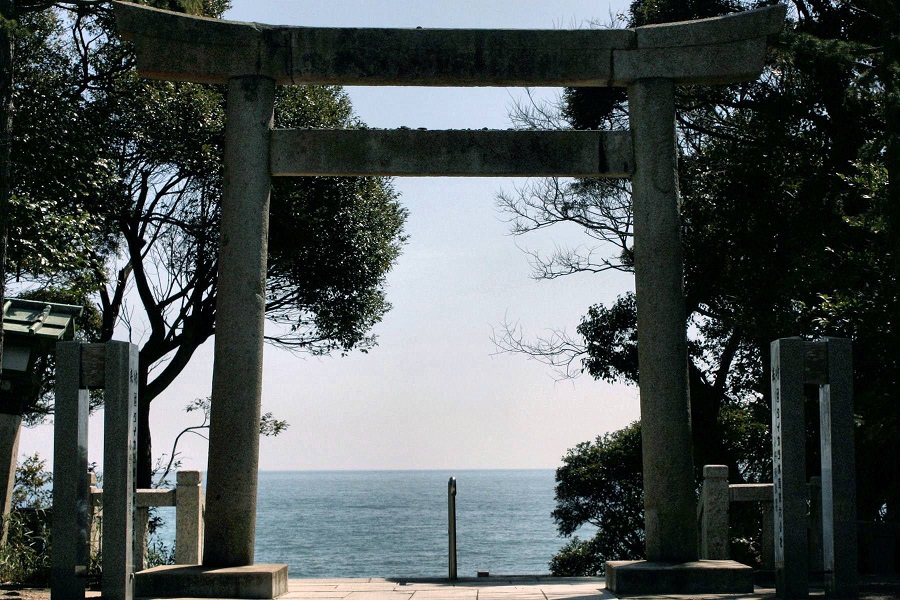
x=174 y=46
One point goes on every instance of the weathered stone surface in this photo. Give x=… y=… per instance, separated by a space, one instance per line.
x=70 y=477
x=761 y=494
x=839 y=531
x=189 y=518
x=670 y=508
x=707 y=64
x=179 y=581
x=707 y=51
x=714 y=538
x=831 y=500
x=789 y=468
x=767 y=542
x=719 y=50
x=815 y=362
x=171 y=46
x=405 y=152
x=717 y=30
x=176 y=46
x=750 y=492
x=120 y=444
x=240 y=316
x=637 y=578
x=93 y=366
x=10 y=426
x=475 y=57
x=149 y=498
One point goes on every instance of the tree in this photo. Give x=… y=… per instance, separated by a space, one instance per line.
x=155 y=169
x=600 y=483
x=788 y=208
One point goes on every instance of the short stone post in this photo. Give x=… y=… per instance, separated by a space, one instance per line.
x=669 y=502
x=70 y=535
x=789 y=468
x=240 y=316
x=714 y=537
x=188 y=518
x=120 y=445
x=839 y=530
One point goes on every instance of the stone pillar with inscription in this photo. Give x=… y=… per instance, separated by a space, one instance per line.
x=112 y=367
x=826 y=363
x=120 y=445
x=839 y=528
x=789 y=468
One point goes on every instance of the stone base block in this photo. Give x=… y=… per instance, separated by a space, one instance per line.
x=197 y=581
x=644 y=578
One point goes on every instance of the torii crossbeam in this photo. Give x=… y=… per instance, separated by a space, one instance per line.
x=252 y=59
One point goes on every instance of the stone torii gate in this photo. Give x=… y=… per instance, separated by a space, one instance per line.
x=252 y=59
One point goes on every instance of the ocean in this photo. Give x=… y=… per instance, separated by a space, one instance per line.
x=394 y=523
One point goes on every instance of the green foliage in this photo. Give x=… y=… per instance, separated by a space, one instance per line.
x=159 y=553
x=579 y=558
x=25 y=558
x=33 y=486
x=611 y=336
x=331 y=240
x=131 y=204
x=791 y=226
x=600 y=484
x=269 y=426
x=57 y=167
x=331 y=299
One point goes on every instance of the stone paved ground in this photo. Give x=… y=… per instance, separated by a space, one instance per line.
x=525 y=588
x=492 y=588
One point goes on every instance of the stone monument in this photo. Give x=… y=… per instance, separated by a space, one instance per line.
x=251 y=59
x=828 y=364
x=81 y=367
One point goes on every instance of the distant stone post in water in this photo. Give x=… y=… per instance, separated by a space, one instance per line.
x=828 y=364
x=649 y=61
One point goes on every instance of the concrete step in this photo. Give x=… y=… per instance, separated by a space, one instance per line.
x=261 y=582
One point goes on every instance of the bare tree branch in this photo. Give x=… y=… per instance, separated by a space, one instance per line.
x=557 y=350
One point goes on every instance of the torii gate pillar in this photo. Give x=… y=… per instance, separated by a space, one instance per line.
x=670 y=506
x=241 y=298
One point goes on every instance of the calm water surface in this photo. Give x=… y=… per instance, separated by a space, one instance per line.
x=394 y=523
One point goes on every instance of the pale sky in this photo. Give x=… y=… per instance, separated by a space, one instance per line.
x=434 y=394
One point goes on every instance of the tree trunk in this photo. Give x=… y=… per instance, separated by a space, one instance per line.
x=144 y=475
x=7 y=15
x=10 y=426
x=708 y=436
